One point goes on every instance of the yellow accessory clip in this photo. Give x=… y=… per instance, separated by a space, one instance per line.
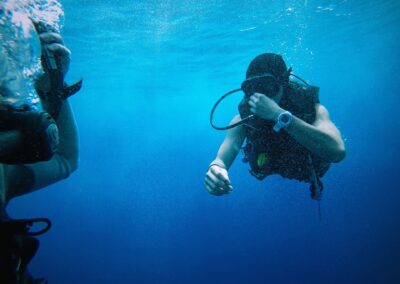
x=261 y=160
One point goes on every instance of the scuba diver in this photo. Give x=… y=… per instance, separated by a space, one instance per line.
x=286 y=130
x=38 y=148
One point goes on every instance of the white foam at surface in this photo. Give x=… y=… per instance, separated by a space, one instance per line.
x=20 y=48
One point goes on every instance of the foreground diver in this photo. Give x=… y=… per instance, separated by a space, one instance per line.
x=287 y=131
x=37 y=148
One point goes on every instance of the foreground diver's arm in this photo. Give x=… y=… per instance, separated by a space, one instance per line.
x=29 y=177
x=217 y=181
x=22 y=179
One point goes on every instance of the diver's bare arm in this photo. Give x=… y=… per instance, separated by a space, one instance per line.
x=321 y=138
x=29 y=177
x=231 y=145
x=66 y=159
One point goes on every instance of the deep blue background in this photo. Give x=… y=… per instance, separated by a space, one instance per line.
x=136 y=211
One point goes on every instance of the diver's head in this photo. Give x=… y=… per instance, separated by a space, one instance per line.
x=267 y=74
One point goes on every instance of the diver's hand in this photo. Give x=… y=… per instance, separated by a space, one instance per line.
x=217 y=181
x=54 y=43
x=264 y=107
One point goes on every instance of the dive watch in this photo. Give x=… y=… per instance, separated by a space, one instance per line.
x=284 y=119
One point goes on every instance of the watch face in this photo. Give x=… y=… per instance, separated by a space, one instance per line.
x=285 y=118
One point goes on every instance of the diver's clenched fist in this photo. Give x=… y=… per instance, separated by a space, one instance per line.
x=217 y=181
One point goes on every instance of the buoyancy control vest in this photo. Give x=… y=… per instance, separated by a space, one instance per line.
x=269 y=152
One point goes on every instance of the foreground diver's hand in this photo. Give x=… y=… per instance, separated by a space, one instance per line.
x=217 y=181
x=54 y=43
x=264 y=107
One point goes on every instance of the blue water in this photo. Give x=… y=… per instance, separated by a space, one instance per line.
x=136 y=211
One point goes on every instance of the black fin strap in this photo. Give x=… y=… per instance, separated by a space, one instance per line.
x=59 y=89
x=72 y=89
x=56 y=80
x=54 y=98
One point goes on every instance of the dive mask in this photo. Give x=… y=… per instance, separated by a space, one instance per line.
x=266 y=84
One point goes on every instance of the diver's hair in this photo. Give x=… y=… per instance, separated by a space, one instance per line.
x=268 y=63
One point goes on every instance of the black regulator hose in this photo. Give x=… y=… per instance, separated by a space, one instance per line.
x=243 y=121
x=22 y=226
